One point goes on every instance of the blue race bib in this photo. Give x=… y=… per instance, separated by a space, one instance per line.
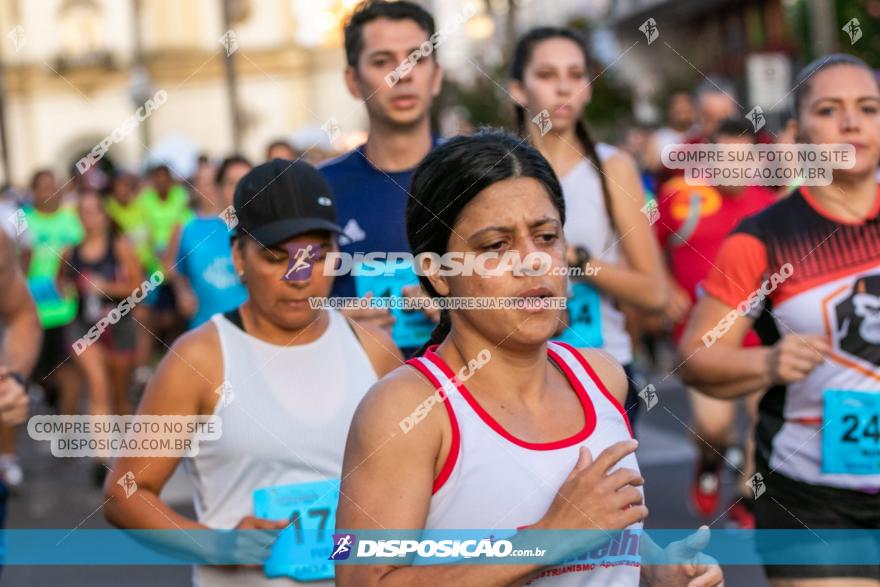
x=411 y=328
x=311 y=509
x=851 y=432
x=584 y=321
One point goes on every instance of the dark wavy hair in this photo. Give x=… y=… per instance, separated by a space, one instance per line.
x=452 y=175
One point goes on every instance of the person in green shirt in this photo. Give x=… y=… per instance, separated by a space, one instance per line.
x=163 y=205
x=51 y=230
x=129 y=217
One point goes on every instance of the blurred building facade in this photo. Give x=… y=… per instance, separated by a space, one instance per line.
x=75 y=70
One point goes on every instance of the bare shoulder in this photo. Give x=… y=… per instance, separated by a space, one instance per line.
x=395 y=397
x=401 y=412
x=189 y=373
x=620 y=162
x=379 y=346
x=609 y=371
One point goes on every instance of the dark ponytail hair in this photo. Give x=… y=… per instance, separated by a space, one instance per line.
x=522 y=54
x=451 y=176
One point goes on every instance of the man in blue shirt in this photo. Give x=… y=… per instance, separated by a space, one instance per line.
x=371 y=183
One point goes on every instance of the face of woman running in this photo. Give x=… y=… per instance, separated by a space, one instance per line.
x=285 y=302
x=91 y=211
x=555 y=79
x=843 y=106
x=511 y=216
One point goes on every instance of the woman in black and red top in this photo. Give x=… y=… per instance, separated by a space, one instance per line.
x=814 y=258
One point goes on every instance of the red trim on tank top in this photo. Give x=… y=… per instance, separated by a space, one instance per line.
x=586 y=404
x=455 y=444
x=614 y=401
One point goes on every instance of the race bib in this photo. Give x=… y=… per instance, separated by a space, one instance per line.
x=584 y=321
x=851 y=432
x=411 y=328
x=311 y=509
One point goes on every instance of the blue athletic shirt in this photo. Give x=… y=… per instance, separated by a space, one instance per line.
x=205 y=258
x=371 y=208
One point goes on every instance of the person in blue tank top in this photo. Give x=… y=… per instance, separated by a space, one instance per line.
x=204 y=278
x=371 y=182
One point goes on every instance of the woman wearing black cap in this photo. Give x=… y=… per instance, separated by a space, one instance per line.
x=284 y=378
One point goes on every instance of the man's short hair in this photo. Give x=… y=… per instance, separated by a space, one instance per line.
x=370 y=10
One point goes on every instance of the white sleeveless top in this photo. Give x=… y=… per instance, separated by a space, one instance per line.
x=588 y=225
x=493 y=480
x=287 y=422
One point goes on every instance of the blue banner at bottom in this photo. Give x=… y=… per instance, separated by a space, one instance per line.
x=253 y=547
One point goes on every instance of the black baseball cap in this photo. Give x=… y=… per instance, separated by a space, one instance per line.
x=281 y=199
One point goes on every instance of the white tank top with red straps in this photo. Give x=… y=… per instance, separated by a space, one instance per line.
x=494 y=480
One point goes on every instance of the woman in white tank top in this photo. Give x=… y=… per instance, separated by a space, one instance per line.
x=530 y=432
x=283 y=379
x=607 y=224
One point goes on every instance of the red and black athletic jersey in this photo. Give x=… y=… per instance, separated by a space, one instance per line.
x=832 y=289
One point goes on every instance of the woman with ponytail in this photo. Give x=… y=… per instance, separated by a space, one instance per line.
x=609 y=236
x=501 y=428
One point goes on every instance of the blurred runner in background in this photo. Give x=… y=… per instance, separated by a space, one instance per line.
x=105 y=270
x=53 y=229
x=609 y=236
x=694 y=220
x=164 y=205
x=199 y=257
